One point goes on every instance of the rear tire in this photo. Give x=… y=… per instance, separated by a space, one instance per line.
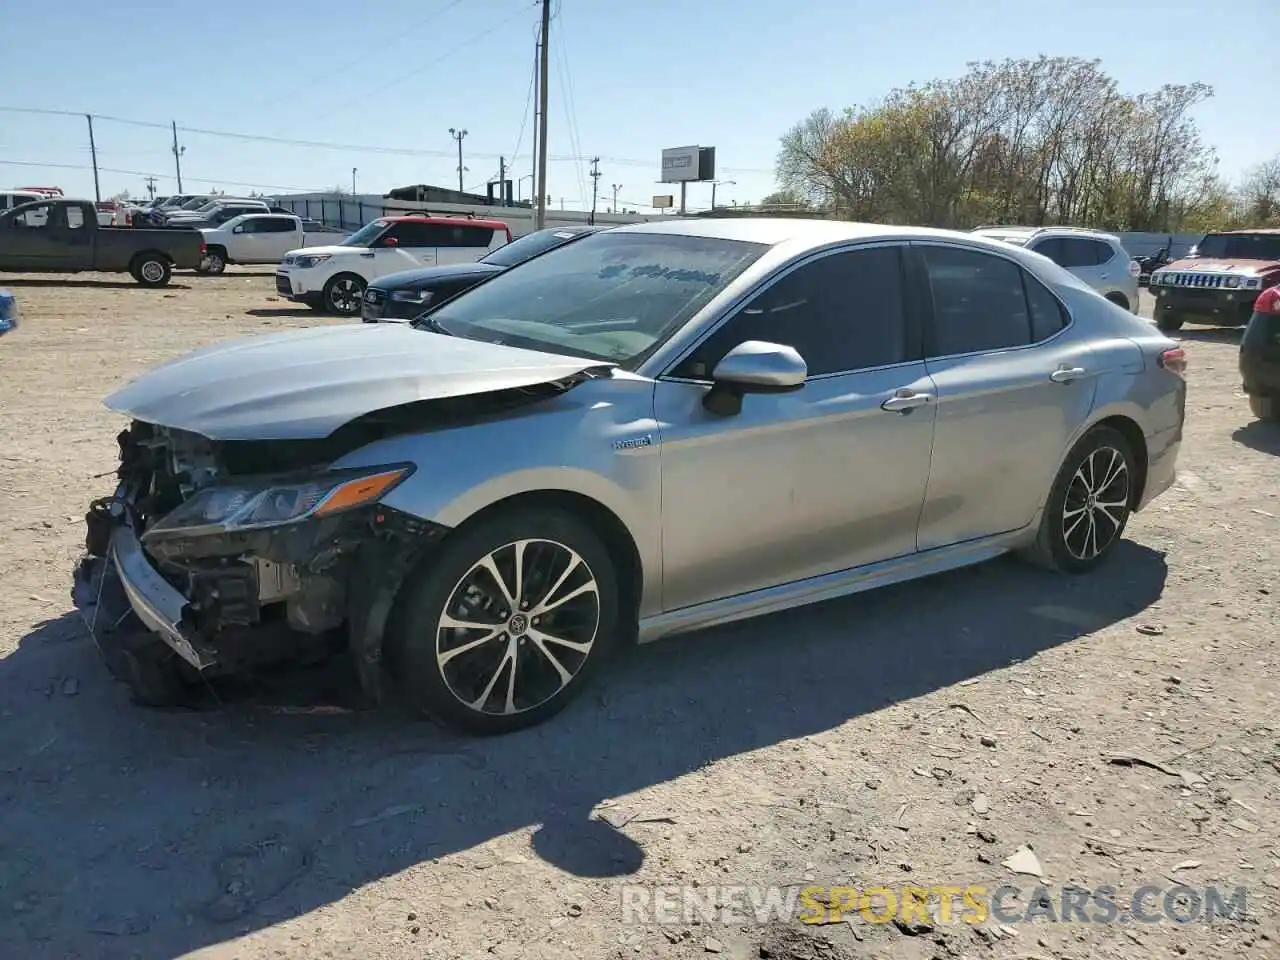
x=151 y=270
x=1089 y=504
x=1169 y=323
x=214 y=262
x=1119 y=299
x=525 y=661
x=1265 y=408
x=343 y=293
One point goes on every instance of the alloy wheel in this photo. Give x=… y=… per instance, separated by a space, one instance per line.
x=344 y=296
x=152 y=271
x=1097 y=503
x=518 y=627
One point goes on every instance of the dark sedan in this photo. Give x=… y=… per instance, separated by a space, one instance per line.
x=1260 y=356
x=399 y=297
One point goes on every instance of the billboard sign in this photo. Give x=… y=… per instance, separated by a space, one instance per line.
x=688 y=164
x=663 y=202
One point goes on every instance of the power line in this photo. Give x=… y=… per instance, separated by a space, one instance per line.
x=148 y=173
x=398 y=78
x=347 y=147
x=528 y=100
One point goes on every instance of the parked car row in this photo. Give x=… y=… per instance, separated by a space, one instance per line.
x=485 y=503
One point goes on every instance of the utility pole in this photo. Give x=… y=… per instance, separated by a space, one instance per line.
x=616 y=188
x=540 y=216
x=595 y=188
x=151 y=187
x=353 y=181
x=177 y=155
x=93 y=152
x=502 y=181
x=458 y=135
x=533 y=177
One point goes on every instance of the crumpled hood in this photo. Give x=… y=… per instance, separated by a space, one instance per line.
x=1216 y=265
x=305 y=384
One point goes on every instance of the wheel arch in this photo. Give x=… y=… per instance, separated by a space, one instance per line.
x=1119 y=299
x=141 y=255
x=1128 y=427
x=603 y=520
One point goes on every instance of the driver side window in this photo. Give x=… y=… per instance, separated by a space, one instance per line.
x=842 y=312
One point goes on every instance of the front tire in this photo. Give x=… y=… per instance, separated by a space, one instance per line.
x=343 y=293
x=1089 y=504
x=152 y=270
x=1265 y=408
x=508 y=623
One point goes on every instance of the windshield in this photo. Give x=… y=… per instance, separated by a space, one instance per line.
x=196 y=203
x=610 y=296
x=1240 y=246
x=365 y=235
x=530 y=245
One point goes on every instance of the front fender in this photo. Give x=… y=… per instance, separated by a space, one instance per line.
x=566 y=444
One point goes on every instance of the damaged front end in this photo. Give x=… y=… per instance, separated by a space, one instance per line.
x=213 y=557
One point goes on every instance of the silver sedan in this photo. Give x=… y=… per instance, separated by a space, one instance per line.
x=658 y=428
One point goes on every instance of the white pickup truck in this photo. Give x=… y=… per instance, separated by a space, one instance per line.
x=260 y=238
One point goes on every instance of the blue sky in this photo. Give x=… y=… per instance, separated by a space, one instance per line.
x=627 y=78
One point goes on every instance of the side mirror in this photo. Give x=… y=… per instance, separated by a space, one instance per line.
x=239 y=229
x=754 y=366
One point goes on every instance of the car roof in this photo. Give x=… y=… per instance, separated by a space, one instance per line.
x=1246 y=231
x=800 y=232
x=449 y=221
x=1026 y=233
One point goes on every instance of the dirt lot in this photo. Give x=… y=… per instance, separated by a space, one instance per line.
x=917 y=735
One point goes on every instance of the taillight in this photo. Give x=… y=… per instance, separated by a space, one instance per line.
x=1135 y=268
x=203 y=246
x=1175 y=361
x=1268 y=301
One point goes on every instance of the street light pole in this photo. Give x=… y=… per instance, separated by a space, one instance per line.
x=616 y=188
x=458 y=135
x=720 y=183
x=353 y=181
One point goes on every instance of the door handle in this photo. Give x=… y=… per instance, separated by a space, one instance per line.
x=1065 y=374
x=906 y=400
x=367 y=256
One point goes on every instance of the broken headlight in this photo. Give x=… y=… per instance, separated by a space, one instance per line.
x=229 y=508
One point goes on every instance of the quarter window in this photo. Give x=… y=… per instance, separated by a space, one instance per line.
x=978 y=301
x=842 y=312
x=1048 y=315
x=75 y=218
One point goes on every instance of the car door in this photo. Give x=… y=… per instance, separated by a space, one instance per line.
x=818 y=480
x=406 y=245
x=278 y=236
x=1012 y=385
x=245 y=241
x=462 y=243
x=27 y=239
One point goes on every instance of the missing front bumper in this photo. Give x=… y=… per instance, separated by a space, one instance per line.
x=123 y=592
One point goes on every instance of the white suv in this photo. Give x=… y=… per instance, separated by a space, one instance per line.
x=333 y=279
x=1099 y=259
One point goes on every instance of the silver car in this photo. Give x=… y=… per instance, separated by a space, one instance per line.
x=661 y=427
x=1099 y=259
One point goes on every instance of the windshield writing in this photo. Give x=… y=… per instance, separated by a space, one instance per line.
x=609 y=296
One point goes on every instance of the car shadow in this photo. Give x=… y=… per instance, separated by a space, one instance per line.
x=104 y=284
x=151 y=834
x=233 y=273
x=1212 y=334
x=298 y=311
x=1260 y=435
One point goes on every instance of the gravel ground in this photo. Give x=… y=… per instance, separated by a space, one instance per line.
x=916 y=735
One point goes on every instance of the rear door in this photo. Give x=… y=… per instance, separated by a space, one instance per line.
x=1013 y=385
x=462 y=242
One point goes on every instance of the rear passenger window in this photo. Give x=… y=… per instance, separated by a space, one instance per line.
x=978 y=302
x=469 y=237
x=1048 y=315
x=75 y=218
